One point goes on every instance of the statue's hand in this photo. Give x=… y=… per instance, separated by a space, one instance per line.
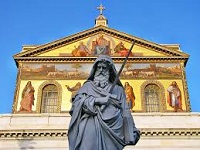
x=105 y=100
x=102 y=100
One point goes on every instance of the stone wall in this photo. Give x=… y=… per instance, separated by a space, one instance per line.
x=160 y=131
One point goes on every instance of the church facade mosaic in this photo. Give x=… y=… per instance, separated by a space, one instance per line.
x=57 y=70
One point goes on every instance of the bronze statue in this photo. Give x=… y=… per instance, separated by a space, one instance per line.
x=101 y=120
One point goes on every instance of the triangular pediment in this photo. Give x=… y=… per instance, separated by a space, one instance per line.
x=100 y=40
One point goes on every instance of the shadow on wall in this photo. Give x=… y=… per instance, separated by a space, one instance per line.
x=25 y=142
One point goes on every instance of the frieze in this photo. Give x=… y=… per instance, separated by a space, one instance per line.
x=77 y=70
x=170 y=132
x=62 y=133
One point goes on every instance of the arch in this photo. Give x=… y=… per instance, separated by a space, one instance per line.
x=40 y=91
x=161 y=96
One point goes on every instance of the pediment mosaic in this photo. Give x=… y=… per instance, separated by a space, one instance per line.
x=100 y=40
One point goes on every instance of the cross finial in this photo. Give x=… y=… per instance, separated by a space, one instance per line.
x=101 y=8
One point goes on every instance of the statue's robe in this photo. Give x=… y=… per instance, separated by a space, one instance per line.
x=101 y=127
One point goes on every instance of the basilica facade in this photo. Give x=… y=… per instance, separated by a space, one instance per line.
x=49 y=75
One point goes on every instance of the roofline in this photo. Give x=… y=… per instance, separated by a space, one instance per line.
x=93 y=31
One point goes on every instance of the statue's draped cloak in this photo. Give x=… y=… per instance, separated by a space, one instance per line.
x=100 y=127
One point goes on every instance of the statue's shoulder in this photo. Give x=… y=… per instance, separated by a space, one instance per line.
x=88 y=83
x=119 y=88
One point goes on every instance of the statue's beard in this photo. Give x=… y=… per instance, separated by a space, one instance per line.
x=101 y=79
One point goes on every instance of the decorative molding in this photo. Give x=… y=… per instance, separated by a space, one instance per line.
x=163 y=107
x=33 y=133
x=92 y=59
x=171 y=132
x=62 y=133
x=39 y=96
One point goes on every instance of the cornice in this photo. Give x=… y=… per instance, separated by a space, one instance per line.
x=99 y=30
x=92 y=59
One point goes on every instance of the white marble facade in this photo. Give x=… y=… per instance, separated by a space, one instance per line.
x=160 y=131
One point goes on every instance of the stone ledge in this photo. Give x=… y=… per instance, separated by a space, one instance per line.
x=61 y=121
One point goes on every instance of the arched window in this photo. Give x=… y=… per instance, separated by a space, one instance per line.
x=152 y=98
x=49 y=99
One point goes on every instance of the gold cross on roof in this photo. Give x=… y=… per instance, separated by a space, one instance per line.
x=101 y=8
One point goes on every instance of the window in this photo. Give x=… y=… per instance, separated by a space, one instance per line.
x=49 y=99
x=152 y=94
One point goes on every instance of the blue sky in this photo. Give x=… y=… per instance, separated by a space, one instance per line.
x=24 y=22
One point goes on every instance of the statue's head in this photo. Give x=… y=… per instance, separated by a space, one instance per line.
x=104 y=68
